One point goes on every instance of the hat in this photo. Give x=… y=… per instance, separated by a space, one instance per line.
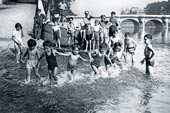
x=56 y=15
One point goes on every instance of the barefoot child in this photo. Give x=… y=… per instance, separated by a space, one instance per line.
x=71 y=32
x=50 y=55
x=149 y=54
x=17 y=39
x=72 y=62
x=97 y=58
x=97 y=29
x=129 y=46
x=88 y=36
x=32 y=55
x=57 y=31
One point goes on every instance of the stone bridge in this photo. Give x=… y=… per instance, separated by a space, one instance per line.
x=139 y=21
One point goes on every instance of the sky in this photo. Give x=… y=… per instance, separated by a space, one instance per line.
x=98 y=7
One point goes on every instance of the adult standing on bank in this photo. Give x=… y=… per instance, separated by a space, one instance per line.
x=62 y=8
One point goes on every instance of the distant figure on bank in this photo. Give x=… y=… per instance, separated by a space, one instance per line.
x=56 y=31
x=71 y=32
x=62 y=8
x=149 y=54
x=39 y=19
x=114 y=21
x=97 y=29
x=129 y=47
x=89 y=37
x=18 y=43
x=33 y=56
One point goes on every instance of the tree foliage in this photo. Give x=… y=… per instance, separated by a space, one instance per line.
x=158 y=8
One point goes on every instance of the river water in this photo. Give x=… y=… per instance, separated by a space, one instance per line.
x=129 y=92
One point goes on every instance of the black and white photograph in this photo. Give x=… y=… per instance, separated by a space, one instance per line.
x=84 y=56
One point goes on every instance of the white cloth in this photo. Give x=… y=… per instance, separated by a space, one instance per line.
x=97 y=28
x=17 y=36
x=56 y=27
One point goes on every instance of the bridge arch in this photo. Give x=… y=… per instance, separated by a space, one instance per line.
x=130 y=23
x=156 y=25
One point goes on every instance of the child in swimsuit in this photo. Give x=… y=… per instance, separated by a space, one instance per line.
x=97 y=58
x=88 y=37
x=149 y=54
x=129 y=46
x=50 y=55
x=72 y=62
x=32 y=54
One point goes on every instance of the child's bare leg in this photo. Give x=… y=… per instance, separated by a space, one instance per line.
x=90 y=44
x=54 y=75
x=50 y=75
x=58 y=42
x=69 y=42
x=37 y=73
x=28 y=75
x=87 y=44
x=132 y=57
x=73 y=72
x=97 y=44
x=95 y=69
x=150 y=68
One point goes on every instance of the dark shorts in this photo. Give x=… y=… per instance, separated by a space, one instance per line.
x=112 y=30
x=71 y=67
x=96 y=36
x=131 y=50
x=150 y=62
x=70 y=34
x=89 y=37
x=56 y=35
x=52 y=66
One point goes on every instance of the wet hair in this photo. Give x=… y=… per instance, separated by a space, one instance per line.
x=149 y=36
x=86 y=12
x=18 y=25
x=127 y=34
x=113 y=13
x=71 y=18
x=31 y=43
x=102 y=16
x=47 y=43
x=116 y=45
x=75 y=48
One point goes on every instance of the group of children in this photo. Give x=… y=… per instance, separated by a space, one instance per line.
x=107 y=49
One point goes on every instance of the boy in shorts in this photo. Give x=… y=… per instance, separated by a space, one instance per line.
x=71 y=31
x=32 y=55
x=149 y=54
x=129 y=46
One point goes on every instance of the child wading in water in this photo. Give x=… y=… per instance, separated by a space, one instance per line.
x=149 y=54
x=98 y=57
x=129 y=47
x=32 y=55
x=17 y=39
x=72 y=62
x=50 y=55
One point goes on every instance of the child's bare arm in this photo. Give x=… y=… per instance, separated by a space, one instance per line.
x=25 y=54
x=152 y=50
x=63 y=54
x=83 y=59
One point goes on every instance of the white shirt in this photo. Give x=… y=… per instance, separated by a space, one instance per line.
x=56 y=27
x=97 y=28
x=17 y=36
